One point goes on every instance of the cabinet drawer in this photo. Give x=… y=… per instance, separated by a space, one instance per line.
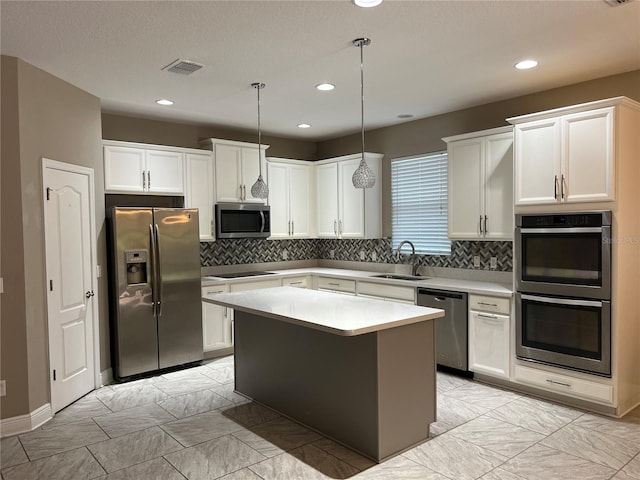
x=573 y=387
x=392 y=292
x=339 y=284
x=241 y=287
x=300 y=282
x=215 y=289
x=489 y=304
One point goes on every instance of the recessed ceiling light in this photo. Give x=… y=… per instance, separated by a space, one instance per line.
x=325 y=86
x=304 y=125
x=405 y=115
x=526 y=64
x=367 y=3
x=164 y=101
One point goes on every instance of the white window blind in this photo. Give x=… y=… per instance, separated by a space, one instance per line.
x=419 y=203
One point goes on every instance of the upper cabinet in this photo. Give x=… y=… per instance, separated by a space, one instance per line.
x=138 y=168
x=199 y=191
x=236 y=169
x=566 y=155
x=344 y=211
x=290 y=195
x=480 y=185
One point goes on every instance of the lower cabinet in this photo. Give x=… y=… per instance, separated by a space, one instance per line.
x=299 y=282
x=336 y=285
x=217 y=322
x=489 y=335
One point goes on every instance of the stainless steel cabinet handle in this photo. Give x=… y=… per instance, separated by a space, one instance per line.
x=89 y=294
x=555 y=187
x=488 y=304
x=335 y=227
x=488 y=317
x=148 y=180
x=334 y=284
x=292 y=228
x=340 y=229
x=485 y=226
x=480 y=224
x=562 y=384
x=295 y=283
x=562 y=186
x=144 y=180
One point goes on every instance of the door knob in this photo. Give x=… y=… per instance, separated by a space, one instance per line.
x=89 y=294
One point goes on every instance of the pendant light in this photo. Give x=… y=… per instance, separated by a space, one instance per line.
x=260 y=188
x=363 y=177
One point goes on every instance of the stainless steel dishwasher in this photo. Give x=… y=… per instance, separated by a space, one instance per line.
x=451 y=330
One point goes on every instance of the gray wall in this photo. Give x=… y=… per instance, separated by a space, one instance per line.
x=42 y=116
x=424 y=136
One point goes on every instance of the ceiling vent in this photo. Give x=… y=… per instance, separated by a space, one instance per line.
x=183 y=67
x=615 y=3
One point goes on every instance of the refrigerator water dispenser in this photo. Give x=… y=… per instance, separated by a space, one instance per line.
x=136 y=261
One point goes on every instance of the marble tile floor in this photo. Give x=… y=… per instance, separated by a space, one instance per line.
x=191 y=425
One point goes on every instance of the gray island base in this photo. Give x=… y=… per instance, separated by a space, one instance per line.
x=364 y=377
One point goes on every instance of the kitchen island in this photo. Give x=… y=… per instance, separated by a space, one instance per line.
x=358 y=370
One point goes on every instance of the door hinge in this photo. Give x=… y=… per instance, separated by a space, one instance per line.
x=51 y=285
x=54 y=375
x=48 y=193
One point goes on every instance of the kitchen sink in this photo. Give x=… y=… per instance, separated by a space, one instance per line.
x=393 y=276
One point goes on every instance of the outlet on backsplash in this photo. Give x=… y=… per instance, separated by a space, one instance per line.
x=374 y=257
x=494 y=263
x=476 y=261
x=362 y=255
x=332 y=253
x=285 y=255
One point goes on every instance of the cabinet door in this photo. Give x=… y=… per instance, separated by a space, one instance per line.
x=588 y=164
x=250 y=169
x=350 y=202
x=537 y=162
x=489 y=344
x=327 y=199
x=464 y=159
x=164 y=172
x=216 y=322
x=299 y=208
x=123 y=169
x=278 y=180
x=227 y=173
x=199 y=191
x=498 y=187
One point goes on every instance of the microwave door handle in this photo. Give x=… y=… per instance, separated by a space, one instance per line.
x=562 y=230
x=563 y=301
x=261 y=221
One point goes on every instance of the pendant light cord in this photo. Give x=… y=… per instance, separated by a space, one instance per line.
x=362 y=93
x=258 y=87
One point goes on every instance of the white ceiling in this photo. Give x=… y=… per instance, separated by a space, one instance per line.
x=426 y=57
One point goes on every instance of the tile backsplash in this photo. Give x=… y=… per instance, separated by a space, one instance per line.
x=244 y=251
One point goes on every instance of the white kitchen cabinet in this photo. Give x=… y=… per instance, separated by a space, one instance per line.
x=344 y=211
x=480 y=185
x=392 y=293
x=289 y=198
x=136 y=168
x=199 y=191
x=302 y=281
x=216 y=322
x=489 y=335
x=336 y=285
x=236 y=169
x=565 y=156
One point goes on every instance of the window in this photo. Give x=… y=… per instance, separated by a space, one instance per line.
x=419 y=203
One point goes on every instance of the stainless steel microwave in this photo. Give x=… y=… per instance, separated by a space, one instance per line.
x=242 y=220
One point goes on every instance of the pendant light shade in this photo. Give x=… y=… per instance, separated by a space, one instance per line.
x=260 y=188
x=363 y=177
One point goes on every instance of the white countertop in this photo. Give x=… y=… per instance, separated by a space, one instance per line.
x=329 y=312
x=440 y=283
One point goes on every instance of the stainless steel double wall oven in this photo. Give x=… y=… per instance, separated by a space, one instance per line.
x=563 y=283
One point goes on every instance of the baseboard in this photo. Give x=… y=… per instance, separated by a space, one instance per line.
x=106 y=377
x=25 y=423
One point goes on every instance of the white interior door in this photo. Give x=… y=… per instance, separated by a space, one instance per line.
x=70 y=252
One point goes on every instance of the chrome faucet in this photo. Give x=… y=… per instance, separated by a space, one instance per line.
x=414 y=264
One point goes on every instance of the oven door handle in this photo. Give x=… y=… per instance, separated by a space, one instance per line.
x=563 y=301
x=562 y=230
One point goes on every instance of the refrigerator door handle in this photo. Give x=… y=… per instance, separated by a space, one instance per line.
x=153 y=269
x=158 y=271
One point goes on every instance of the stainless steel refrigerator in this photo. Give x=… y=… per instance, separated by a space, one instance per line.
x=154 y=268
